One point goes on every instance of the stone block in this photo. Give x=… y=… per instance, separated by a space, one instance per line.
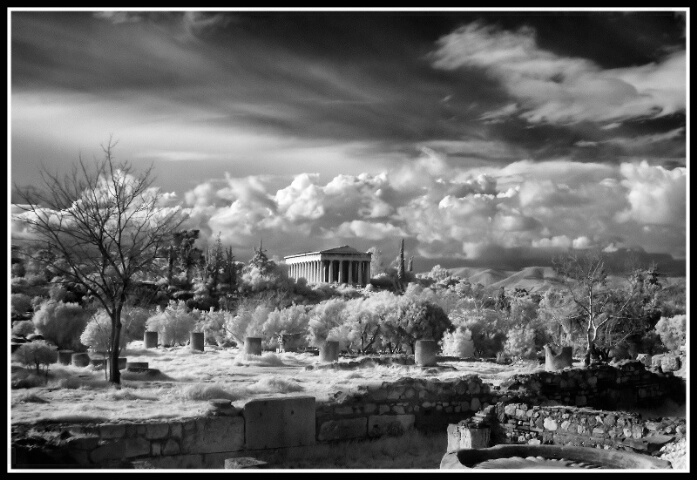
x=156 y=430
x=550 y=424
x=171 y=448
x=215 y=434
x=474 y=404
x=279 y=422
x=112 y=431
x=343 y=429
x=136 y=447
x=110 y=451
x=393 y=425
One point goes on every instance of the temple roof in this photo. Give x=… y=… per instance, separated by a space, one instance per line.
x=344 y=249
x=337 y=250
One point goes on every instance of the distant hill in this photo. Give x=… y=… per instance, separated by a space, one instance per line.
x=532 y=279
x=489 y=276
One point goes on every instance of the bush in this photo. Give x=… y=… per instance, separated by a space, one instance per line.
x=173 y=323
x=247 y=322
x=61 y=323
x=23 y=328
x=133 y=323
x=97 y=333
x=520 y=343
x=21 y=304
x=458 y=343
x=284 y=323
x=325 y=322
x=673 y=331
x=35 y=354
x=212 y=324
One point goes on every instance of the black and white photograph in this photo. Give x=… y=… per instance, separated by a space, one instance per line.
x=343 y=239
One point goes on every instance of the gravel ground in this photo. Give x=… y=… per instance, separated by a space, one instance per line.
x=675 y=453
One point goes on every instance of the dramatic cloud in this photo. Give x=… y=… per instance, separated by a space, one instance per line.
x=657 y=196
x=491 y=214
x=551 y=88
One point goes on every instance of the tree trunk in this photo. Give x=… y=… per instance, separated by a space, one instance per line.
x=114 y=373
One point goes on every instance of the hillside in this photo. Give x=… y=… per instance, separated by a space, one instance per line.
x=537 y=279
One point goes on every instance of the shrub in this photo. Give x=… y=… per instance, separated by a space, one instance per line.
x=61 y=323
x=97 y=333
x=673 y=331
x=133 y=323
x=21 y=304
x=520 y=343
x=35 y=354
x=247 y=322
x=212 y=324
x=173 y=323
x=23 y=328
x=325 y=320
x=458 y=343
x=284 y=323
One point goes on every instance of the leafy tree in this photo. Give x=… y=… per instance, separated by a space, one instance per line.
x=520 y=343
x=35 y=354
x=20 y=304
x=285 y=324
x=363 y=318
x=173 y=323
x=61 y=323
x=23 y=328
x=673 y=331
x=248 y=321
x=212 y=324
x=326 y=319
x=458 y=343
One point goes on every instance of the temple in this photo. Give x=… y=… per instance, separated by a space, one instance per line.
x=340 y=265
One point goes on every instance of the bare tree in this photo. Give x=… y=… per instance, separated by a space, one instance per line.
x=107 y=226
x=585 y=279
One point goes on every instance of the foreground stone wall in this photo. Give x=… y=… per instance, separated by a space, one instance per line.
x=389 y=408
x=392 y=408
x=625 y=385
x=520 y=423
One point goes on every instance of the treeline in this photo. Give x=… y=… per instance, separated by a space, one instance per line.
x=228 y=300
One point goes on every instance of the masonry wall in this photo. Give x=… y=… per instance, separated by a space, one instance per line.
x=559 y=425
x=627 y=384
x=391 y=408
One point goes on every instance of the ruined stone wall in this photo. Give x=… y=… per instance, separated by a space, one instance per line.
x=391 y=408
x=625 y=385
x=559 y=425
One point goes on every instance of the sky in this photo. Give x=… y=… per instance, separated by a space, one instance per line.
x=487 y=139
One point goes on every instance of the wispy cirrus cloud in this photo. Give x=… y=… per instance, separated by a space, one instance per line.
x=551 y=88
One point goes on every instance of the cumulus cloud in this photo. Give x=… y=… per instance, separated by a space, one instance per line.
x=656 y=195
x=550 y=88
x=520 y=210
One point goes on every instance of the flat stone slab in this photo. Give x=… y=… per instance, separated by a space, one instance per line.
x=274 y=422
x=244 y=462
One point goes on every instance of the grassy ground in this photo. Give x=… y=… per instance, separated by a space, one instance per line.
x=187 y=380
